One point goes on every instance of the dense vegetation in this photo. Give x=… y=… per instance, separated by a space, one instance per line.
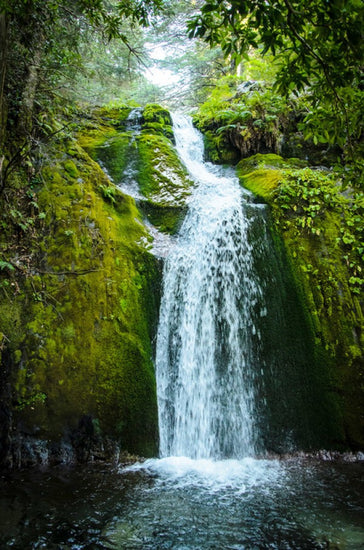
x=78 y=286
x=317 y=49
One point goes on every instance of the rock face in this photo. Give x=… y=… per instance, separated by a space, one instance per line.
x=77 y=326
x=162 y=179
x=318 y=227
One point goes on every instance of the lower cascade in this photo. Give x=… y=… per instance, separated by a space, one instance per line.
x=206 y=365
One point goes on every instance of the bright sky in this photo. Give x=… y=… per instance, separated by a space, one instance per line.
x=161 y=77
x=158 y=75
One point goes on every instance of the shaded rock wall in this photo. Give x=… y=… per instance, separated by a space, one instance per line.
x=318 y=229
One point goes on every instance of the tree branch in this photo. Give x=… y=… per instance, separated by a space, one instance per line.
x=80 y=272
x=321 y=62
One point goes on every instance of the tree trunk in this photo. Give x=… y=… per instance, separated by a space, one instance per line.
x=3 y=105
x=3 y=67
x=29 y=91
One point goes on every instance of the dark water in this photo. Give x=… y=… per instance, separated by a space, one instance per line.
x=178 y=503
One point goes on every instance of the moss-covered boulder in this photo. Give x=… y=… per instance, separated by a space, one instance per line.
x=77 y=325
x=162 y=178
x=261 y=173
x=105 y=137
x=157 y=120
x=320 y=227
x=148 y=156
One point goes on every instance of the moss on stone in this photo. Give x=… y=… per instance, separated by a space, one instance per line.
x=84 y=340
x=157 y=120
x=261 y=174
x=162 y=177
x=114 y=115
x=163 y=180
x=92 y=138
x=113 y=154
x=167 y=218
x=101 y=125
x=311 y=217
x=70 y=168
x=268 y=162
x=262 y=182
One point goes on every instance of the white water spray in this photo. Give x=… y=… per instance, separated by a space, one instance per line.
x=205 y=363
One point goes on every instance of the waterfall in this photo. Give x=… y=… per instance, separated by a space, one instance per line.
x=205 y=358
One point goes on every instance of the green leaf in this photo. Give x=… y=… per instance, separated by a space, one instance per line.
x=6 y=265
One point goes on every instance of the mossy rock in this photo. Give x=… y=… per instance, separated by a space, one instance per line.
x=87 y=313
x=157 y=120
x=91 y=139
x=313 y=220
x=101 y=126
x=163 y=181
x=268 y=162
x=113 y=154
x=261 y=174
x=115 y=116
x=168 y=219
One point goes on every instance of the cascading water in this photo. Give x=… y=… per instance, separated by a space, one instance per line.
x=205 y=360
x=233 y=365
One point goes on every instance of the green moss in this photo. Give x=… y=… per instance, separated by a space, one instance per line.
x=261 y=174
x=113 y=115
x=161 y=176
x=320 y=229
x=163 y=181
x=262 y=182
x=113 y=154
x=157 y=120
x=70 y=168
x=91 y=139
x=86 y=315
x=167 y=218
x=267 y=162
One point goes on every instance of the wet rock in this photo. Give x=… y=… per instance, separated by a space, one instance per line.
x=82 y=446
x=83 y=438
x=5 y=424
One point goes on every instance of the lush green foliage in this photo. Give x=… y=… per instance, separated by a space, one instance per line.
x=229 y=108
x=40 y=46
x=318 y=39
x=249 y=118
x=303 y=200
x=305 y=197
x=317 y=46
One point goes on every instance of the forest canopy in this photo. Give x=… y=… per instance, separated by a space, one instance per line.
x=57 y=52
x=317 y=49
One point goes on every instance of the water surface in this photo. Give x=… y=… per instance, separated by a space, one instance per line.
x=180 y=503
